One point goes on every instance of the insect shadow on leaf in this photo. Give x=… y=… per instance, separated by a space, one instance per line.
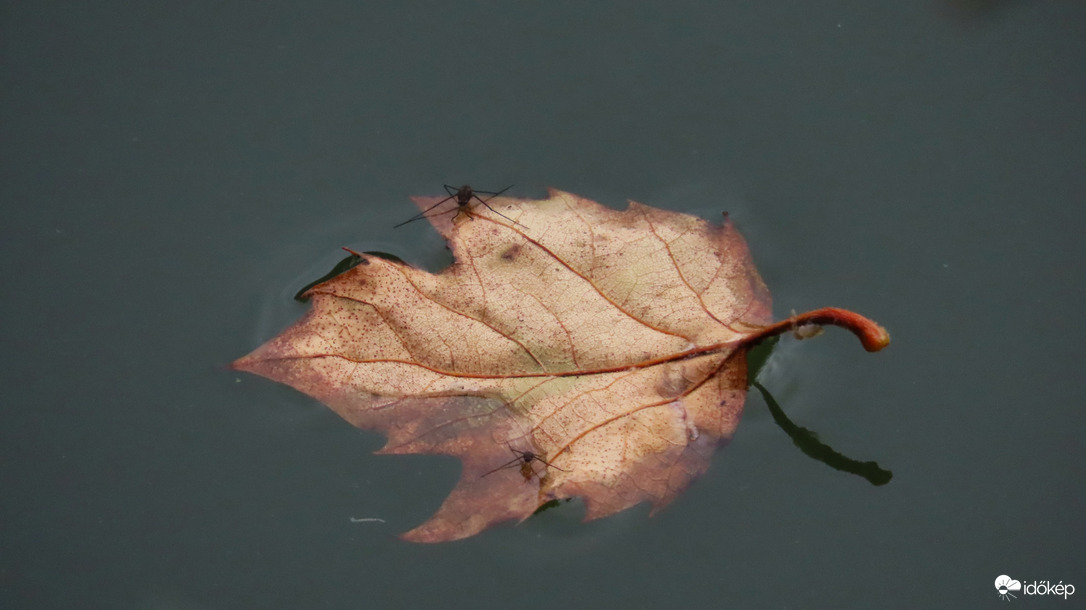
x=463 y=197
x=524 y=459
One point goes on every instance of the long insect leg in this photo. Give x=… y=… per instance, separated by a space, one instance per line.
x=549 y=464
x=422 y=214
x=493 y=195
x=508 y=464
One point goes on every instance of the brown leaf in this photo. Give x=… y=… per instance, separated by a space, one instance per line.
x=609 y=344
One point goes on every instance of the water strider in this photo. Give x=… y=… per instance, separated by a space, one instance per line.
x=463 y=196
x=524 y=459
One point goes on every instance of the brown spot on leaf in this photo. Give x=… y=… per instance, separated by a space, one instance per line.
x=511 y=253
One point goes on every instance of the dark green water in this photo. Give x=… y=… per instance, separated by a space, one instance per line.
x=172 y=175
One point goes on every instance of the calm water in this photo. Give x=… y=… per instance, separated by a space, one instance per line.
x=171 y=176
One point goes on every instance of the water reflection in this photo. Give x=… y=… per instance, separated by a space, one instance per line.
x=809 y=443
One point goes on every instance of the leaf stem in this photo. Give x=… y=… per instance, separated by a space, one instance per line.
x=871 y=335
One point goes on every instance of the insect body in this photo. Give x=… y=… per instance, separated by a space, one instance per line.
x=463 y=197
x=524 y=459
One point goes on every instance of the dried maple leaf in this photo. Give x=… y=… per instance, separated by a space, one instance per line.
x=604 y=349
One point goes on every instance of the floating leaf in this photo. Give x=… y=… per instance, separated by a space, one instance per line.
x=610 y=344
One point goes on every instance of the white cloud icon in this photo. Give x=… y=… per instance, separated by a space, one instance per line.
x=1005 y=584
